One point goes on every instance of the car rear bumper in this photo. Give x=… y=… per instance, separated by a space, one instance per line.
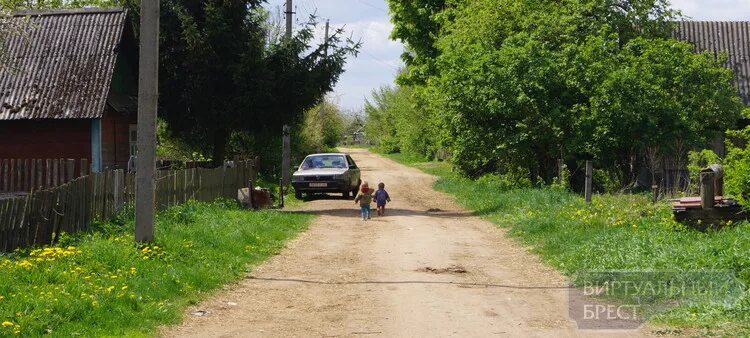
x=321 y=186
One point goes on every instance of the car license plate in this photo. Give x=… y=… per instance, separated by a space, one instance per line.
x=318 y=185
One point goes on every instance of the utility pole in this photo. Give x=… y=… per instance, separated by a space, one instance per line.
x=286 y=151
x=148 y=97
x=325 y=53
x=289 y=13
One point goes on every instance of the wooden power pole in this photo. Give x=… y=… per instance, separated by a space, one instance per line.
x=286 y=152
x=148 y=97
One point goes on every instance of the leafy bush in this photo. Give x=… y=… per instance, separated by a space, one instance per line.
x=737 y=164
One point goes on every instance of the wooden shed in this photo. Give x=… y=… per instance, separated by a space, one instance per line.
x=71 y=88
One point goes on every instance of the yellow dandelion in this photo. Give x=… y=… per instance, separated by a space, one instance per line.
x=7 y=323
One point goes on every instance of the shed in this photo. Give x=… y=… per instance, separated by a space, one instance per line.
x=71 y=88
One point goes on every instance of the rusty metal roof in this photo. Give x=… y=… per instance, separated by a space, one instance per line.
x=62 y=66
x=732 y=37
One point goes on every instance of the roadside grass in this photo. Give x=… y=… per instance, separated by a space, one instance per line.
x=104 y=284
x=616 y=233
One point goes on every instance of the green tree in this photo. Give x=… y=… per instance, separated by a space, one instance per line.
x=518 y=84
x=238 y=82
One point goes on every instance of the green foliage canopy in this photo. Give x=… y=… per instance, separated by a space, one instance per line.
x=519 y=84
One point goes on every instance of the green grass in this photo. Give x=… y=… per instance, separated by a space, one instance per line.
x=103 y=284
x=613 y=233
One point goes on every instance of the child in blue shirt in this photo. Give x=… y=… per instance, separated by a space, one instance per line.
x=381 y=198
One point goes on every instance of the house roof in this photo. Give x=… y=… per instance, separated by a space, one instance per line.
x=62 y=65
x=732 y=37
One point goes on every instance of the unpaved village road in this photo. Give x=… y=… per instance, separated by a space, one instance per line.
x=346 y=277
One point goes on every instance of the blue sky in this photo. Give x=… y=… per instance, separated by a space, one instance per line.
x=379 y=59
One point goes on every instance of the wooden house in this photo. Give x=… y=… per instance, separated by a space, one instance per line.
x=70 y=90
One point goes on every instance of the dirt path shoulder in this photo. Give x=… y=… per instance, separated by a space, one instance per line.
x=427 y=269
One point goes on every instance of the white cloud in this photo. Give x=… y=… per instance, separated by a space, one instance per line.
x=719 y=10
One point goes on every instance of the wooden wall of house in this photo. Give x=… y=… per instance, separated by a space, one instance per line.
x=47 y=138
x=115 y=139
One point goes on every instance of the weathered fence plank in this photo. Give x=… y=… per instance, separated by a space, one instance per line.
x=59 y=201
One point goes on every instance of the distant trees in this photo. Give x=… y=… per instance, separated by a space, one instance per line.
x=322 y=131
x=396 y=123
x=515 y=85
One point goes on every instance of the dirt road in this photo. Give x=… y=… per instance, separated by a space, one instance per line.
x=413 y=273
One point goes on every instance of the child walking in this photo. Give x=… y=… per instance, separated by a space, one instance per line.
x=364 y=197
x=381 y=198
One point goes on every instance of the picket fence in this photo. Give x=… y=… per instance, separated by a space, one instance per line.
x=39 y=217
x=20 y=175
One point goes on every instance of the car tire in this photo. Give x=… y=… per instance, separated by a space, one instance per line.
x=298 y=195
x=346 y=194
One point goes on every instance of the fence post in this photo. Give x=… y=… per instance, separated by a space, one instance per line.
x=589 y=180
x=707 y=189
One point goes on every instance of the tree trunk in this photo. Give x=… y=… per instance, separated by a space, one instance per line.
x=220 y=147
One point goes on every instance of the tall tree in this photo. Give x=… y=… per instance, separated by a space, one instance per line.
x=220 y=74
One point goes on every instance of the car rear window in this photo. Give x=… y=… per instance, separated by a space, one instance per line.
x=324 y=162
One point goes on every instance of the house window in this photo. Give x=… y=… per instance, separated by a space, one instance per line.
x=133 y=136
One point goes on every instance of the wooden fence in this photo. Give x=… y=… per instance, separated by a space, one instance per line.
x=39 y=217
x=23 y=175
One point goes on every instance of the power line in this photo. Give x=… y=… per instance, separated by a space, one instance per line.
x=373 y=6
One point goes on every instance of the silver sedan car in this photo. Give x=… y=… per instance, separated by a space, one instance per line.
x=325 y=173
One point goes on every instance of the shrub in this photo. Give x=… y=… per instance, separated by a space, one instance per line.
x=737 y=164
